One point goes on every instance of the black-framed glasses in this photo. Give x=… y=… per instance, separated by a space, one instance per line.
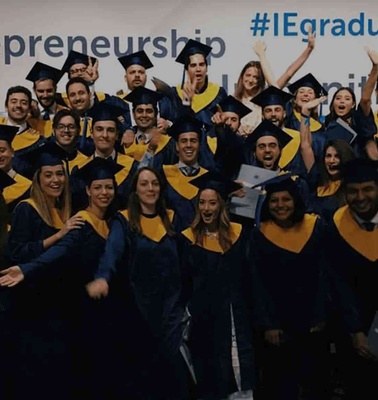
x=62 y=127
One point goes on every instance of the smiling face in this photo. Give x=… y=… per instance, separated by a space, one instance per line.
x=104 y=135
x=18 y=107
x=144 y=116
x=274 y=113
x=303 y=95
x=268 y=152
x=343 y=103
x=52 y=180
x=331 y=161
x=45 y=92
x=79 y=97
x=250 y=79
x=101 y=193
x=209 y=208
x=6 y=155
x=362 y=198
x=188 y=147
x=147 y=190
x=66 y=131
x=281 y=206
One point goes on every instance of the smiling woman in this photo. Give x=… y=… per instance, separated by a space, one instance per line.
x=290 y=296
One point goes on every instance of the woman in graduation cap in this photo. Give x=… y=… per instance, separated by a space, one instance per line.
x=214 y=265
x=37 y=330
x=141 y=260
x=290 y=296
x=79 y=252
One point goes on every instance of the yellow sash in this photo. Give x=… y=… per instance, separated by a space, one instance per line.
x=213 y=244
x=180 y=182
x=127 y=163
x=152 y=228
x=364 y=242
x=291 y=149
x=212 y=142
x=25 y=139
x=16 y=190
x=57 y=221
x=292 y=239
x=329 y=190
x=99 y=225
x=314 y=124
x=201 y=100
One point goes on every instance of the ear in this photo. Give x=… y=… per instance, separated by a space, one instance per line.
x=87 y=191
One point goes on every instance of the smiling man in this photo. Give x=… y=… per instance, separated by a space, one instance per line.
x=352 y=253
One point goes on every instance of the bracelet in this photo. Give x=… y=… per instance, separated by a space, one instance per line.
x=305 y=116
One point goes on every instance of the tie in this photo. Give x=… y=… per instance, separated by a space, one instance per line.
x=83 y=134
x=186 y=170
x=46 y=114
x=369 y=226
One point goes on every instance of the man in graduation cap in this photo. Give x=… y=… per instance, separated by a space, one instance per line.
x=273 y=103
x=20 y=188
x=150 y=146
x=104 y=132
x=181 y=195
x=18 y=105
x=206 y=95
x=135 y=66
x=45 y=79
x=352 y=253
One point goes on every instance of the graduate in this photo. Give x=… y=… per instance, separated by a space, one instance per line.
x=181 y=195
x=354 y=233
x=207 y=94
x=141 y=259
x=40 y=359
x=290 y=296
x=214 y=258
x=80 y=251
x=151 y=147
x=20 y=188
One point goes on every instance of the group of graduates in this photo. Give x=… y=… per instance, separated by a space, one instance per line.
x=124 y=275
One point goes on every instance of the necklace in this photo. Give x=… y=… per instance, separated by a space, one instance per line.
x=211 y=235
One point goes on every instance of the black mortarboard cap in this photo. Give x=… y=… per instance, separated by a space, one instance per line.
x=48 y=153
x=8 y=133
x=280 y=183
x=230 y=104
x=185 y=124
x=359 y=170
x=98 y=168
x=272 y=96
x=5 y=180
x=217 y=182
x=142 y=95
x=267 y=128
x=138 y=58
x=103 y=111
x=192 y=47
x=308 y=81
x=44 y=71
x=75 y=57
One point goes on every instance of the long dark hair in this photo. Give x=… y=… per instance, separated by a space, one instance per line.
x=135 y=210
x=332 y=116
x=224 y=225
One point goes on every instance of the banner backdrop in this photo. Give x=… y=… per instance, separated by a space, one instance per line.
x=45 y=31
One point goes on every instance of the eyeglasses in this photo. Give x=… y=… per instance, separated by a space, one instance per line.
x=78 y=70
x=70 y=127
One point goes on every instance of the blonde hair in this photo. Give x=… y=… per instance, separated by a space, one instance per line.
x=224 y=226
x=63 y=203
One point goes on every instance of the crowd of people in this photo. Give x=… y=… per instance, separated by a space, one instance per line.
x=124 y=275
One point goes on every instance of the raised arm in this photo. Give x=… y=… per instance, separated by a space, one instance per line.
x=367 y=91
x=260 y=50
x=297 y=64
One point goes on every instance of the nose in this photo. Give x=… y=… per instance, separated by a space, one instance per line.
x=360 y=195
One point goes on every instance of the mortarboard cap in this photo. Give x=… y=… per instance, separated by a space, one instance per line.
x=185 y=124
x=8 y=133
x=267 y=128
x=44 y=71
x=47 y=154
x=359 y=170
x=103 y=111
x=138 y=58
x=217 y=182
x=98 y=168
x=230 y=104
x=192 y=47
x=280 y=183
x=272 y=96
x=142 y=95
x=5 y=180
x=308 y=81
x=75 y=57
